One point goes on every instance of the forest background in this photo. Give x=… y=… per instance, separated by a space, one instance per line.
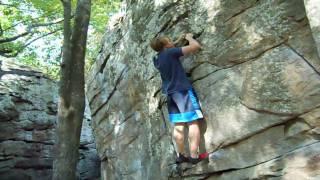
x=31 y=32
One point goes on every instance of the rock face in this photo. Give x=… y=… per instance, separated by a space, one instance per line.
x=28 y=109
x=313 y=13
x=257 y=78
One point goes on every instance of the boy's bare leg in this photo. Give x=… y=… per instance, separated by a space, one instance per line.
x=178 y=134
x=194 y=138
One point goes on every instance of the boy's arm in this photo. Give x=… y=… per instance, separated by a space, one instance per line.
x=193 y=46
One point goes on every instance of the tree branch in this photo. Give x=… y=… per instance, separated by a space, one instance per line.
x=10 y=5
x=9 y=53
x=10 y=39
x=33 y=19
x=37 y=38
x=14 y=37
x=5 y=53
x=1 y=30
x=45 y=24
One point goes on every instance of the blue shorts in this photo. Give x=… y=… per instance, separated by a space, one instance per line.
x=183 y=106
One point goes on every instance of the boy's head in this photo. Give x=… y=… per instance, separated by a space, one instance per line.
x=159 y=43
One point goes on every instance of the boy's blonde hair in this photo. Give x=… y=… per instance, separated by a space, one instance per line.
x=158 y=43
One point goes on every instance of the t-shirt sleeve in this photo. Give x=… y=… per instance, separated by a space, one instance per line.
x=176 y=52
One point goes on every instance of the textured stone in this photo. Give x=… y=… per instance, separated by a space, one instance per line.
x=257 y=77
x=284 y=84
x=28 y=109
x=313 y=12
x=302 y=163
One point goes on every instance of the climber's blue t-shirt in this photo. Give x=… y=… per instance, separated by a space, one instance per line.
x=172 y=73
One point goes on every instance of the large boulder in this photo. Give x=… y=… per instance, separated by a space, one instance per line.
x=28 y=109
x=257 y=77
x=313 y=13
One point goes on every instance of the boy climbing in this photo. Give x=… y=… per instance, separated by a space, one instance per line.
x=182 y=102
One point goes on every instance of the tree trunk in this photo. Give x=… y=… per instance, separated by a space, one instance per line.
x=71 y=91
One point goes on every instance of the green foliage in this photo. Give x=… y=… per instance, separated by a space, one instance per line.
x=23 y=19
x=31 y=59
x=42 y=49
x=46 y=7
x=101 y=11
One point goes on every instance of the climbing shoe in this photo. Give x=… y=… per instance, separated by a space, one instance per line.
x=194 y=160
x=181 y=158
x=203 y=155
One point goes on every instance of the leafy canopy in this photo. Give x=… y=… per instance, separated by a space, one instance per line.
x=31 y=31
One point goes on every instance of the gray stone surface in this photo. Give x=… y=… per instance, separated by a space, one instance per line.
x=257 y=77
x=28 y=108
x=313 y=13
